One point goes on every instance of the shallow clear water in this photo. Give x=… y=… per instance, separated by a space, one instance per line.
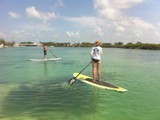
x=39 y=90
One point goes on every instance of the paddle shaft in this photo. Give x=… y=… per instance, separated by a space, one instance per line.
x=82 y=70
x=73 y=80
x=52 y=53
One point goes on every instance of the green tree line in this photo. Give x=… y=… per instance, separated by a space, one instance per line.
x=5 y=43
x=130 y=45
x=137 y=45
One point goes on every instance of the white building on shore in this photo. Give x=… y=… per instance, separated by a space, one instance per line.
x=1 y=45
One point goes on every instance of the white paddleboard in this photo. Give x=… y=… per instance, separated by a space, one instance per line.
x=50 y=59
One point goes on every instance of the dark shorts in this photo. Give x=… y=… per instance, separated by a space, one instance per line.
x=95 y=60
x=45 y=52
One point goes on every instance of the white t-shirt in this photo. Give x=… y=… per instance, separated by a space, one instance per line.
x=96 y=53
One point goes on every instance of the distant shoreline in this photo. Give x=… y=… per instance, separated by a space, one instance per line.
x=128 y=46
x=138 y=45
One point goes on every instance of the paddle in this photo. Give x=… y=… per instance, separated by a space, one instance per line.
x=52 y=53
x=73 y=80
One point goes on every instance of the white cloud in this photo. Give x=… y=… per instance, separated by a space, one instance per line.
x=2 y=35
x=32 y=12
x=59 y=3
x=73 y=34
x=42 y=30
x=99 y=31
x=112 y=20
x=20 y=33
x=14 y=15
x=38 y=26
x=140 y=23
x=125 y=4
x=116 y=4
x=112 y=17
x=85 y=21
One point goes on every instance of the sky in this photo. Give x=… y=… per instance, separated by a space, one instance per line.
x=77 y=21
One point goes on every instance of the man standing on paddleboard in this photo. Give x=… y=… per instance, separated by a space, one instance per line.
x=96 y=53
x=45 y=51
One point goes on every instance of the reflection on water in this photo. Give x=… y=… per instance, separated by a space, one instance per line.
x=45 y=70
x=38 y=99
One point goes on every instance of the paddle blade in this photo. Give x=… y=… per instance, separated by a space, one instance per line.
x=71 y=81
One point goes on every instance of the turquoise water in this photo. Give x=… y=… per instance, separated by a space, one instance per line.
x=39 y=90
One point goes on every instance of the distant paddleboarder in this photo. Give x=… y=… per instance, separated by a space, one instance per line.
x=45 y=50
x=96 y=53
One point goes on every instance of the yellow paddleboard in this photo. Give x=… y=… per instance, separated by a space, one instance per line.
x=100 y=84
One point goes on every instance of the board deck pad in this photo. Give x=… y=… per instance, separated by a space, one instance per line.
x=100 y=84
